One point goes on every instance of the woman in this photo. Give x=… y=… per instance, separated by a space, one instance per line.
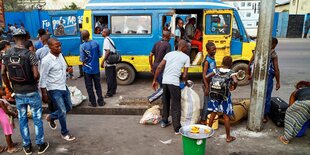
x=298 y=113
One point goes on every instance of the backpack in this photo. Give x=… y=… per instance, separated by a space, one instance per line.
x=219 y=85
x=18 y=65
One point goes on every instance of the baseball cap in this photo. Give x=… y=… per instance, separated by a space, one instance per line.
x=19 y=32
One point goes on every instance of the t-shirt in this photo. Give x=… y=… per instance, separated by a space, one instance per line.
x=175 y=61
x=108 y=46
x=26 y=87
x=159 y=50
x=177 y=33
x=38 y=44
x=303 y=94
x=89 y=55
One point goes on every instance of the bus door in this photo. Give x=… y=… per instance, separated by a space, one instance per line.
x=218 y=30
x=65 y=28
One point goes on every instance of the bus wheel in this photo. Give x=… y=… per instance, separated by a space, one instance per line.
x=125 y=74
x=242 y=69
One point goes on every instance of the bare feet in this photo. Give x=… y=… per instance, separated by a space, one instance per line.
x=14 y=150
x=283 y=140
x=265 y=120
x=230 y=139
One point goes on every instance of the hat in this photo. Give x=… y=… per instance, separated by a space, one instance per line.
x=19 y=32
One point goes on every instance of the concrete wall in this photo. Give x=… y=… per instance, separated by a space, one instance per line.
x=299 y=7
x=282 y=8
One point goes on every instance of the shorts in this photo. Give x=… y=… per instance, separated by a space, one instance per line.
x=224 y=106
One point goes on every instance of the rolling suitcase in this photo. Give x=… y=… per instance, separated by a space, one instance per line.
x=277 y=111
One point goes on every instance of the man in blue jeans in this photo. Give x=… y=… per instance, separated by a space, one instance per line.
x=53 y=83
x=89 y=56
x=25 y=88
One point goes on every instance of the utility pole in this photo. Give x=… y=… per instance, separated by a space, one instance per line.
x=261 y=65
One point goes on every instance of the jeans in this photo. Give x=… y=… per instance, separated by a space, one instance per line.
x=268 y=94
x=90 y=80
x=172 y=93
x=205 y=111
x=110 y=73
x=34 y=101
x=62 y=100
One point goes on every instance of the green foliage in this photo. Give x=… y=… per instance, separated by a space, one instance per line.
x=73 y=6
x=12 y=5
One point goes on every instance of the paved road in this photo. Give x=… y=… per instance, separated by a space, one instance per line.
x=122 y=135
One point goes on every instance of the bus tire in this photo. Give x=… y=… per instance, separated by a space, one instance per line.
x=243 y=75
x=125 y=74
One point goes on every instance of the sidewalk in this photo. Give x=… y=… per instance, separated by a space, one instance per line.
x=122 y=135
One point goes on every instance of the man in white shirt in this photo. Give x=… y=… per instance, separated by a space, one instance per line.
x=53 y=82
x=110 y=69
x=173 y=63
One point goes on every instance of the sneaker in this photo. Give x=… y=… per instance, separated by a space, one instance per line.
x=52 y=125
x=163 y=124
x=28 y=149
x=177 y=133
x=68 y=137
x=43 y=147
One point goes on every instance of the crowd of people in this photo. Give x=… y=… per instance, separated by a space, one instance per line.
x=167 y=69
x=27 y=68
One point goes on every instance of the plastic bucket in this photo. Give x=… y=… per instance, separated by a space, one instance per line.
x=195 y=143
x=215 y=124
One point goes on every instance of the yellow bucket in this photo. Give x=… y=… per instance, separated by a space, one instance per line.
x=215 y=124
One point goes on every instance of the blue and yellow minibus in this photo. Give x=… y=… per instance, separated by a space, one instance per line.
x=136 y=25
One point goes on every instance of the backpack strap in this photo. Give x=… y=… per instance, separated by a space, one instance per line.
x=112 y=44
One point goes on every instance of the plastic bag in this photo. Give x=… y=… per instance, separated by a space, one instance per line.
x=190 y=106
x=151 y=116
x=76 y=96
x=198 y=59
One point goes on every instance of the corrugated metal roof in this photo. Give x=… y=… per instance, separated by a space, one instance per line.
x=151 y=4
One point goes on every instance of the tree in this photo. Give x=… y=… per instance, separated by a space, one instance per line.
x=12 y=5
x=73 y=6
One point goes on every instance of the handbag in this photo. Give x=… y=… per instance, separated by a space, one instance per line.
x=114 y=57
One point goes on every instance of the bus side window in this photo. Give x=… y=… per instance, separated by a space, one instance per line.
x=218 y=24
x=64 y=25
x=101 y=22
x=235 y=30
x=131 y=24
x=166 y=21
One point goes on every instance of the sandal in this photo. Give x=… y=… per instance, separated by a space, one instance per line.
x=283 y=140
x=231 y=139
x=14 y=150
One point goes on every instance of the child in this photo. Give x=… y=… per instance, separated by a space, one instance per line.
x=208 y=66
x=7 y=126
x=223 y=81
x=4 y=45
x=273 y=72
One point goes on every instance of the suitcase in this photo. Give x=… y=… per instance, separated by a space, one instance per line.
x=277 y=111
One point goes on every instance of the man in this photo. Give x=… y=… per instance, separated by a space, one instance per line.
x=53 y=83
x=307 y=27
x=25 y=89
x=100 y=23
x=110 y=69
x=89 y=56
x=190 y=30
x=179 y=32
x=159 y=50
x=173 y=63
x=42 y=52
x=39 y=44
